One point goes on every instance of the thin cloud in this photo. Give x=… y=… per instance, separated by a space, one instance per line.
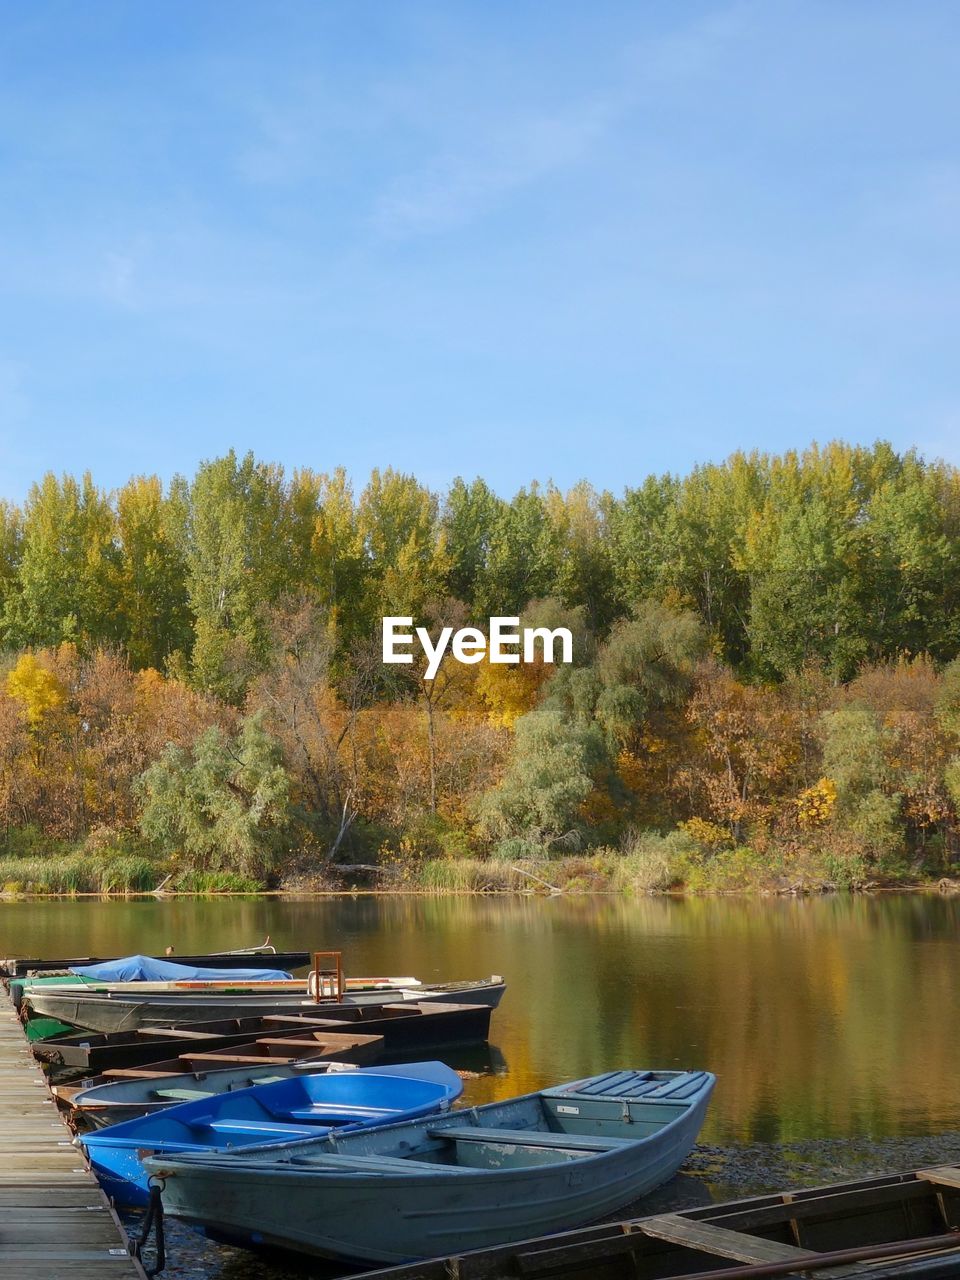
x=119 y=278
x=454 y=189
x=13 y=396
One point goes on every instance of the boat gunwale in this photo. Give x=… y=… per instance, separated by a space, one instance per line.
x=269 y=1157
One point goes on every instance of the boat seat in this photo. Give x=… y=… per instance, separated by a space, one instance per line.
x=181 y=1095
x=376 y=1164
x=337 y=1113
x=268 y=1127
x=531 y=1138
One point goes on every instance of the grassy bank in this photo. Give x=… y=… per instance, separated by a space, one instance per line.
x=651 y=864
x=647 y=863
x=77 y=872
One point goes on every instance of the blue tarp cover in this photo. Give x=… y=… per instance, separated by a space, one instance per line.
x=146 y=969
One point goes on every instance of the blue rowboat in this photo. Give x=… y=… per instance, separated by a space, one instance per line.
x=117 y=1101
x=303 y=1106
x=468 y=1179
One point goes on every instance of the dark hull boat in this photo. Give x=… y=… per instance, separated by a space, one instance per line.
x=412 y=1025
x=18 y=967
x=93 y=1053
x=95 y=1106
x=905 y=1225
x=137 y=1091
x=477 y=1177
x=112 y=1011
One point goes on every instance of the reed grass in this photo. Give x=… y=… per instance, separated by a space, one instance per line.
x=73 y=873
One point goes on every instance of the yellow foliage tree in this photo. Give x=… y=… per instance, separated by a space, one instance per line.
x=508 y=692
x=816 y=804
x=37 y=690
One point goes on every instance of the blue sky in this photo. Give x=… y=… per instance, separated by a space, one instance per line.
x=513 y=238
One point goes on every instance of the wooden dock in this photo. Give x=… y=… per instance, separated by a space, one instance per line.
x=55 y=1222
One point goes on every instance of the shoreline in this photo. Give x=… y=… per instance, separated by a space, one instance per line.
x=938 y=887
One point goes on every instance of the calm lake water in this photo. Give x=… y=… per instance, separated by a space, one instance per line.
x=832 y=1019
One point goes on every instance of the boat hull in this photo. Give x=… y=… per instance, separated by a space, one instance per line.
x=109 y=1012
x=403 y=1027
x=394 y=1215
x=16 y=967
x=881 y=1212
x=304 y=1106
x=128 y=1103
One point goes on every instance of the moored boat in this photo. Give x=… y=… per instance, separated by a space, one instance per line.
x=900 y=1225
x=143 y=974
x=19 y=966
x=300 y=1106
x=108 y=1011
x=478 y=1177
x=101 y=1101
x=411 y=1025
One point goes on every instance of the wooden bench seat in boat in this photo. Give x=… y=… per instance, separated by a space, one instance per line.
x=180 y=1095
x=530 y=1138
x=336 y=1113
x=265 y=1126
x=376 y=1164
x=636 y=1085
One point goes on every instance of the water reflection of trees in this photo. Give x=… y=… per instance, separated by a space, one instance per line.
x=821 y=1017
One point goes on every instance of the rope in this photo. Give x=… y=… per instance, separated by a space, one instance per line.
x=152 y=1219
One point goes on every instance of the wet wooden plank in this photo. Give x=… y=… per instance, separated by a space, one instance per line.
x=720 y=1241
x=55 y=1222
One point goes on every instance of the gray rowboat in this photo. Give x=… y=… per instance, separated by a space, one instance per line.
x=114 y=1011
x=471 y=1179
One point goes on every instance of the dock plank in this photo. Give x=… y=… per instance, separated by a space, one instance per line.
x=943 y=1176
x=54 y=1219
x=736 y=1245
x=720 y=1241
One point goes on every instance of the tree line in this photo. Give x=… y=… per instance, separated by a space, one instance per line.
x=764 y=687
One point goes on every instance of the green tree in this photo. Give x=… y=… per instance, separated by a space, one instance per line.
x=11 y=522
x=150 y=587
x=802 y=553
x=854 y=760
x=642 y=538
x=523 y=558
x=68 y=556
x=646 y=665
x=549 y=776
x=909 y=596
x=337 y=554
x=220 y=805
x=584 y=575
x=399 y=522
x=235 y=547
x=470 y=512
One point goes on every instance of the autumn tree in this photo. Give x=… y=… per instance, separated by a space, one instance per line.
x=312 y=725
x=904 y=697
x=506 y=691
x=745 y=753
